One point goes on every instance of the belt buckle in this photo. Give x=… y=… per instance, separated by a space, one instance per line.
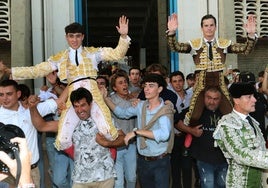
x=147 y=158
x=33 y=165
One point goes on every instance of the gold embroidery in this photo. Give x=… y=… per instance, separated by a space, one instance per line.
x=223 y=43
x=196 y=43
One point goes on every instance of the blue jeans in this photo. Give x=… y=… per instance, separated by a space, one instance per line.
x=154 y=174
x=212 y=175
x=61 y=165
x=4 y=185
x=125 y=166
x=40 y=163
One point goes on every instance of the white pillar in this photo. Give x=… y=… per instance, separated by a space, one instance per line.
x=49 y=19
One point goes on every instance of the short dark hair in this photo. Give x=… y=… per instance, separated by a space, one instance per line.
x=212 y=89
x=206 y=17
x=74 y=28
x=25 y=91
x=156 y=78
x=104 y=78
x=190 y=76
x=261 y=74
x=133 y=68
x=157 y=67
x=79 y=94
x=105 y=71
x=13 y=83
x=177 y=73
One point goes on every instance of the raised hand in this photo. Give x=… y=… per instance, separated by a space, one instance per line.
x=123 y=26
x=250 y=25
x=172 y=24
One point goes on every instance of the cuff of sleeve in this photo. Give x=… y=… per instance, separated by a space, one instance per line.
x=253 y=38
x=128 y=39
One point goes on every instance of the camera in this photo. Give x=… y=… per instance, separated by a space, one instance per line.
x=6 y=133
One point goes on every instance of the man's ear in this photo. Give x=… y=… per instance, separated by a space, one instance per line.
x=18 y=94
x=160 y=88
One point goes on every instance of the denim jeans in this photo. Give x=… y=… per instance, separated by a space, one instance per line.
x=61 y=165
x=125 y=166
x=154 y=174
x=4 y=185
x=212 y=175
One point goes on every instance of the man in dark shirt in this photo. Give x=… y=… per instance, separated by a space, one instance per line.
x=211 y=162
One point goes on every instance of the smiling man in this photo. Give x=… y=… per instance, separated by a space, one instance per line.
x=240 y=139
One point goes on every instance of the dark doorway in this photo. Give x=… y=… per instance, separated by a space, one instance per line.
x=101 y=16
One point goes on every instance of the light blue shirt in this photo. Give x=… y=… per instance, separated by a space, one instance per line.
x=161 y=129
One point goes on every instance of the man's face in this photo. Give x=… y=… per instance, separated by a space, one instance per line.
x=177 y=83
x=101 y=83
x=82 y=109
x=9 y=97
x=245 y=104
x=74 y=40
x=212 y=100
x=134 y=76
x=208 y=28
x=190 y=82
x=152 y=90
x=121 y=86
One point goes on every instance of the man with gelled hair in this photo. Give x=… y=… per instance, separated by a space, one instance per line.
x=209 y=54
x=77 y=66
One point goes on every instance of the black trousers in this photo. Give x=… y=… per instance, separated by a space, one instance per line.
x=181 y=166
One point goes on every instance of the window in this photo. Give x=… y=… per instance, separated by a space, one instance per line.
x=257 y=7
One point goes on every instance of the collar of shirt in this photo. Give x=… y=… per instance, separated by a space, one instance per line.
x=206 y=41
x=243 y=116
x=87 y=121
x=155 y=109
x=72 y=54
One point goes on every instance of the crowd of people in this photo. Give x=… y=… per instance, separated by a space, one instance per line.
x=128 y=129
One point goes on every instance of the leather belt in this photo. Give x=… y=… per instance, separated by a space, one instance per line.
x=153 y=158
x=34 y=165
x=82 y=79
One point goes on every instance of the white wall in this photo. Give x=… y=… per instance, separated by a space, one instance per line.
x=190 y=13
x=49 y=19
